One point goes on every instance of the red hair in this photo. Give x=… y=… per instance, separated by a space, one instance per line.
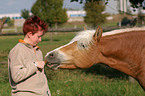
x=32 y=24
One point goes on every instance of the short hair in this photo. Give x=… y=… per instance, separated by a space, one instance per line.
x=31 y=25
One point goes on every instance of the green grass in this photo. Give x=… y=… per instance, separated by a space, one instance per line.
x=5 y=89
x=79 y=82
x=11 y=29
x=109 y=24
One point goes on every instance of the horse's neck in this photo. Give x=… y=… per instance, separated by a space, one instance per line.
x=121 y=51
x=121 y=43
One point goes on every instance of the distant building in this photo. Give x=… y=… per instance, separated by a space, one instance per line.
x=73 y=16
x=12 y=16
x=18 y=20
x=114 y=6
x=117 y=6
x=79 y=13
x=123 y=5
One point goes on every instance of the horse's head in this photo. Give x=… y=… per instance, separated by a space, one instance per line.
x=81 y=52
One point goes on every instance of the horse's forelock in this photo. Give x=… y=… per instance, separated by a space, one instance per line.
x=84 y=36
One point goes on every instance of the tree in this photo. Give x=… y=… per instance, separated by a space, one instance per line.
x=94 y=14
x=136 y=3
x=50 y=11
x=25 y=13
x=2 y=23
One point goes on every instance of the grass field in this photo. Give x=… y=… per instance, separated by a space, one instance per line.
x=78 y=82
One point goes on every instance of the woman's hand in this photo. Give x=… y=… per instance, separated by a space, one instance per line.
x=40 y=64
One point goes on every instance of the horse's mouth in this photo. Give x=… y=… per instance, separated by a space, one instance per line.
x=53 y=65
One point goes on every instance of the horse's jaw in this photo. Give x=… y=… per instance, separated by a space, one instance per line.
x=55 y=66
x=57 y=59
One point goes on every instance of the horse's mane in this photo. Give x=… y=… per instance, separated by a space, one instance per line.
x=119 y=31
x=85 y=36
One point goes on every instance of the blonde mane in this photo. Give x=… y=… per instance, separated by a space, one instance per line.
x=85 y=37
x=87 y=34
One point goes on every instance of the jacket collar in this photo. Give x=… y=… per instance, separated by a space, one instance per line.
x=29 y=45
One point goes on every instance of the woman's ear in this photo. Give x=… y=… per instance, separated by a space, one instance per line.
x=29 y=34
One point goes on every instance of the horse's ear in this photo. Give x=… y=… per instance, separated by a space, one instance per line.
x=98 y=33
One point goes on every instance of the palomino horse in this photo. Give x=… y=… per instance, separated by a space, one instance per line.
x=122 y=49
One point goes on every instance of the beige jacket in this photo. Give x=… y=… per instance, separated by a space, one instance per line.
x=24 y=77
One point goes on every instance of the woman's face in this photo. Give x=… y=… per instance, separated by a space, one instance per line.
x=35 y=38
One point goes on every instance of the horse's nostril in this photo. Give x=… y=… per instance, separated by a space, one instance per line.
x=51 y=55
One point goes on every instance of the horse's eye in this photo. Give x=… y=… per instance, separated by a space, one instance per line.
x=82 y=45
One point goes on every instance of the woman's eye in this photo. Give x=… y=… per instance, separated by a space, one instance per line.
x=39 y=36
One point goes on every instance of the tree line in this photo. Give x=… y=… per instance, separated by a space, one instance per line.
x=54 y=14
x=52 y=11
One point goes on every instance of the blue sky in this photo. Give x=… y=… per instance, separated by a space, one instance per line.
x=15 y=6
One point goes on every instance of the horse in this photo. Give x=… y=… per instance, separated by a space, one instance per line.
x=121 y=49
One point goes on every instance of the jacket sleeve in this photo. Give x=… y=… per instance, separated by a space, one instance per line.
x=19 y=72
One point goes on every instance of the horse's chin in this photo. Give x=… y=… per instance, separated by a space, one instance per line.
x=53 y=66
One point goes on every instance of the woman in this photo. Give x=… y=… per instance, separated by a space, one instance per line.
x=25 y=62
